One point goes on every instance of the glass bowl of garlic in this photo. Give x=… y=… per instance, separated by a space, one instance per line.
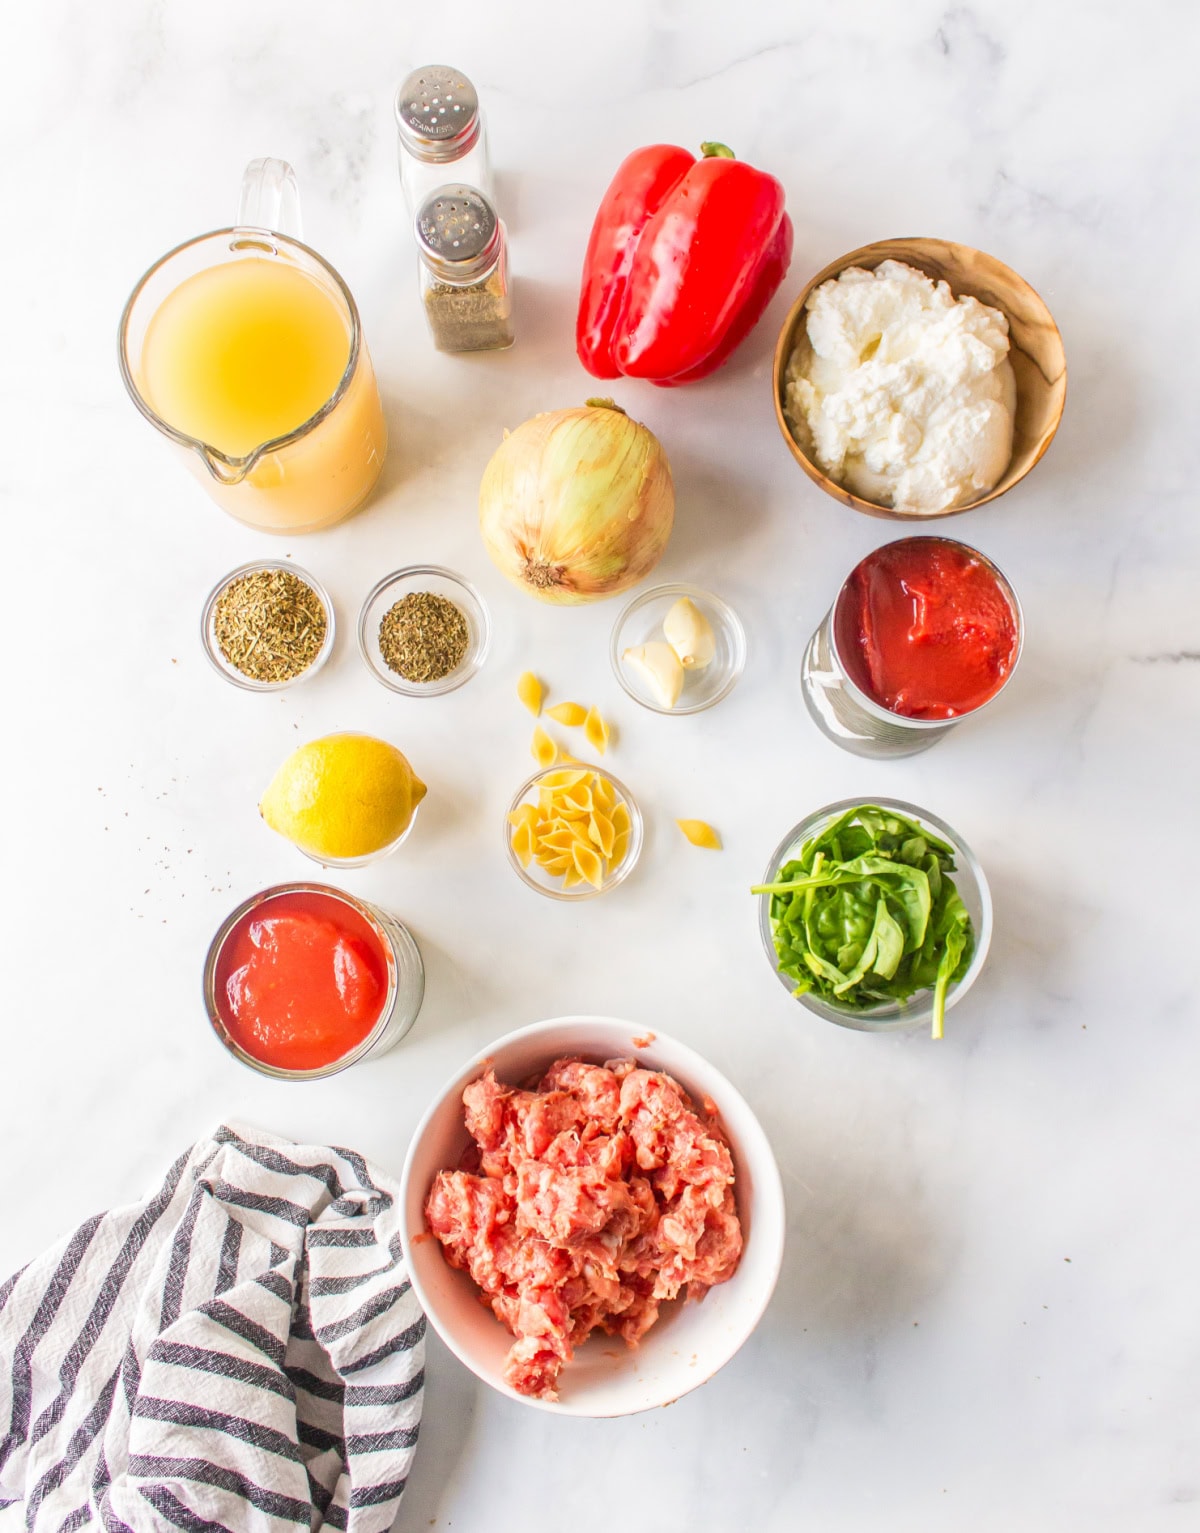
x=677 y=649
x=572 y=831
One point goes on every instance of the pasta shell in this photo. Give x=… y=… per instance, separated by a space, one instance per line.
x=699 y=833
x=570 y=714
x=522 y=842
x=588 y=864
x=579 y=799
x=565 y=779
x=530 y=691
x=596 y=731
x=600 y=830
x=543 y=748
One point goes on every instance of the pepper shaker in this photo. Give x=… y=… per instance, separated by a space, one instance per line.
x=441 y=134
x=464 y=271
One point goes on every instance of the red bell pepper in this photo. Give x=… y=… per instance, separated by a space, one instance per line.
x=685 y=255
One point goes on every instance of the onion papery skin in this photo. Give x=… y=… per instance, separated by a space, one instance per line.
x=577 y=505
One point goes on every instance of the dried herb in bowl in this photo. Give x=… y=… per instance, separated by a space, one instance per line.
x=269 y=625
x=423 y=637
x=867 y=913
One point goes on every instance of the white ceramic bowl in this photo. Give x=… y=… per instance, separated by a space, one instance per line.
x=690 y=1342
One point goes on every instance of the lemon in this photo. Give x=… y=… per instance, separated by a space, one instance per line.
x=345 y=795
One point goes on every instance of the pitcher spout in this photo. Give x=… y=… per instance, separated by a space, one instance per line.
x=224 y=469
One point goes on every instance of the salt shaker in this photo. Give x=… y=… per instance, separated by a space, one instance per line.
x=442 y=135
x=464 y=271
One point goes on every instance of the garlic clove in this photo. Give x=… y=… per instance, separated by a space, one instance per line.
x=690 y=635
x=659 y=668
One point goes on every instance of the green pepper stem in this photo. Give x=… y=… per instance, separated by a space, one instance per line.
x=714 y=151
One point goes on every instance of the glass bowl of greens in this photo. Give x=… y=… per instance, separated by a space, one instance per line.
x=875 y=916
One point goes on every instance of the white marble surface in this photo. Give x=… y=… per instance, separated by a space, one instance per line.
x=988 y=1312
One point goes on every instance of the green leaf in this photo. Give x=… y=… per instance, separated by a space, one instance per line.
x=913 y=851
x=860 y=968
x=889 y=943
x=824 y=970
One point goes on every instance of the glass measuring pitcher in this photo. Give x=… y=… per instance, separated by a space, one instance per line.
x=245 y=349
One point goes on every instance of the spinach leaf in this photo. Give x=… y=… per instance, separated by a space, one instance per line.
x=889 y=942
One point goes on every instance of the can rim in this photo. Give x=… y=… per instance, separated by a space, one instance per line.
x=875 y=709
x=364 y=1045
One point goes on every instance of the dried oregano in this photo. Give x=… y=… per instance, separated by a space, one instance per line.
x=269 y=625
x=423 y=637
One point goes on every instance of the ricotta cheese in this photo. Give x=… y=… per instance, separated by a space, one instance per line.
x=902 y=393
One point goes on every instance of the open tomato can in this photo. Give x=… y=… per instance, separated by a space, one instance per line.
x=924 y=632
x=304 y=980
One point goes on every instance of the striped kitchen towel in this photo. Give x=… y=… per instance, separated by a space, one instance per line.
x=241 y=1350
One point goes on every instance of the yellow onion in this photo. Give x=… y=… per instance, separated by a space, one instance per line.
x=576 y=505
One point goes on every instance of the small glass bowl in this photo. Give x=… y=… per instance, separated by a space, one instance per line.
x=969 y=880
x=640 y=622
x=441 y=582
x=209 y=637
x=367 y=858
x=536 y=876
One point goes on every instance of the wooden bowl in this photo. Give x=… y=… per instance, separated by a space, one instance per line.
x=1036 y=354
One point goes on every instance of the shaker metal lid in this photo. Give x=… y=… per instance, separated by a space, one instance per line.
x=458 y=224
x=436 y=109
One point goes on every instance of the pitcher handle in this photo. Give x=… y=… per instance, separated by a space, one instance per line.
x=270 y=198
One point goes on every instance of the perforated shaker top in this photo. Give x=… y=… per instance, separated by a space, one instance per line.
x=437 y=108
x=458 y=225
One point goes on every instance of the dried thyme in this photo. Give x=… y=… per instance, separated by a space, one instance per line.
x=269 y=625
x=423 y=637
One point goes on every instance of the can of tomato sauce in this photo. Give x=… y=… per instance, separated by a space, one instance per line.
x=924 y=632
x=304 y=980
